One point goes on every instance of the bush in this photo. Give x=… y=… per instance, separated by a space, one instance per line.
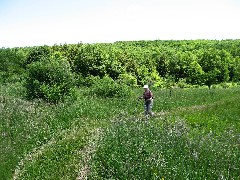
x=182 y=83
x=50 y=79
x=88 y=81
x=107 y=87
x=127 y=79
x=225 y=85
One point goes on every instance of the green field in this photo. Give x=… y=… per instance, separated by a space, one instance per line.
x=194 y=135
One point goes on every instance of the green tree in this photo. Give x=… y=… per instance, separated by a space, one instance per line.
x=37 y=53
x=12 y=63
x=236 y=70
x=115 y=61
x=209 y=78
x=215 y=66
x=163 y=59
x=50 y=79
x=90 y=60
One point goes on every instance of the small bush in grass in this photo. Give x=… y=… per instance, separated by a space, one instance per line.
x=127 y=79
x=87 y=81
x=107 y=87
x=182 y=83
x=225 y=85
x=50 y=79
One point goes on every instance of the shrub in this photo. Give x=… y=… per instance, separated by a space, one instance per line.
x=49 y=79
x=182 y=83
x=107 y=87
x=89 y=80
x=127 y=79
x=225 y=85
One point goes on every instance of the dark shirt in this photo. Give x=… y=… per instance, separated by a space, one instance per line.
x=147 y=95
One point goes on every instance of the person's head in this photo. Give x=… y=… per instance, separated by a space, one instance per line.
x=145 y=87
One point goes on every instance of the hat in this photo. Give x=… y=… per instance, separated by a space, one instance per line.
x=145 y=86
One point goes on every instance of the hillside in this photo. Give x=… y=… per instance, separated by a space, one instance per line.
x=72 y=111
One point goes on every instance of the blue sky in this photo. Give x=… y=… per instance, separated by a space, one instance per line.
x=48 y=22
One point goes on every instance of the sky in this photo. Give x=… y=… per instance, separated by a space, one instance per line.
x=48 y=22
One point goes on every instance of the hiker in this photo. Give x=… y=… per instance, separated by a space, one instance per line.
x=148 y=97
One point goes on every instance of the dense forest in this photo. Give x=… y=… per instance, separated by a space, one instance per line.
x=158 y=63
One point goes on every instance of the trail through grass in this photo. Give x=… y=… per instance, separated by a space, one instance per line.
x=194 y=135
x=188 y=142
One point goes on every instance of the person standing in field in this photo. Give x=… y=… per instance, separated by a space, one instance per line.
x=148 y=97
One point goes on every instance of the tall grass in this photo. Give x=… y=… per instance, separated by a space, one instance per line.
x=38 y=139
x=198 y=139
x=44 y=141
x=149 y=150
x=191 y=97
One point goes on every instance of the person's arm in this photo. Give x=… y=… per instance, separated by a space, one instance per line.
x=141 y=97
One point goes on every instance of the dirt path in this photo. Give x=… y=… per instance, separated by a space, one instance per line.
x=87 y=153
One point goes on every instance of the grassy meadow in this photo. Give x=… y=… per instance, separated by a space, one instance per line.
x=194 y=135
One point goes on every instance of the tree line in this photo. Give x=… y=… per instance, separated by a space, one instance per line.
x=192 y=62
